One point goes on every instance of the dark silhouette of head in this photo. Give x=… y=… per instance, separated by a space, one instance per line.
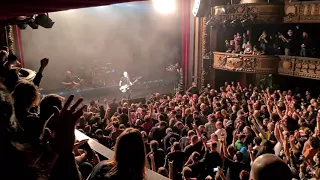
x=269 y=166
x=8 y=122
x=47 y=104
x=130 y=157
x=25 y=95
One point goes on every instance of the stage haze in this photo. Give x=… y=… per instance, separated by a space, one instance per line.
x=131 y=37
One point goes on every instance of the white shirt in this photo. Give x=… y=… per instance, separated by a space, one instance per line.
x=219 y=133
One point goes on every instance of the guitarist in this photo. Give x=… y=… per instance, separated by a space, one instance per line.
x=68 y=82
x=125 y=80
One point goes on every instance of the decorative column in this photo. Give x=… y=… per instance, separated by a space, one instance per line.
x=203 y=52
x=10 y=39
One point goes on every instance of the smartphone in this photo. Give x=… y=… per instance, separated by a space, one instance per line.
x=215 y=169
x=88 y=149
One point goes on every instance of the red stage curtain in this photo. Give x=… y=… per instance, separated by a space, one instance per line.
x=185 y=28
x=14 y=8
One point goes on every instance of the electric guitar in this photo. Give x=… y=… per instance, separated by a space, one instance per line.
x=126 y=87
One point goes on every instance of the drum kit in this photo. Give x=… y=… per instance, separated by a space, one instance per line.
x=97 y=76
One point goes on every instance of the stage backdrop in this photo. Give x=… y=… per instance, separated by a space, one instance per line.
x=130 y=37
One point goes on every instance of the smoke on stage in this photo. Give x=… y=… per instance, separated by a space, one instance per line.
x=110 y=39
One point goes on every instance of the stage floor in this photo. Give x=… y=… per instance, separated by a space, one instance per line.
x=139 y=91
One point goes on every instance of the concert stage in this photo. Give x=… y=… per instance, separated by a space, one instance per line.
x=140 y=90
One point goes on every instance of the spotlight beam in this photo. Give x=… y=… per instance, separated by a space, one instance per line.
x=164 y=6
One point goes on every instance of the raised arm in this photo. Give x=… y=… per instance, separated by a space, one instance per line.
x=43 y=64
x=153 y=164
x=63 y=165
x=171 y=170
x=260 y=130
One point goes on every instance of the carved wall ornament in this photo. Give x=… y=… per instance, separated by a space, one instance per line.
x=302 y=12
x=304 y=67
x=268 y=13
x=245 y=63
x=222 y=60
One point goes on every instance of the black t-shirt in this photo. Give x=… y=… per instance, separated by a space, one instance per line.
x=184 y=142
x=159 y=157
x=67 y=79
x=307 y=42
x=290 y=44
x=166 y=139
x=234 y=169
x=124 y=81
x=211 y=160
x=188 y=120
x=192 y=148
x=113 y=109
x=101 y=169
x=31 y=127
x=198 y=170
x=106 y=141
x=124 y=119
x=157 y=134
x=178 y=159
x=292 y=124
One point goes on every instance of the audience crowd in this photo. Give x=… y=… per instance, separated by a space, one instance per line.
x=294 y=43
x=233 y=133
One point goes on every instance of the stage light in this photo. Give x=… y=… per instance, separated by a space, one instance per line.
x=32 y=24
x=200 y=8
x=22 y=26
x=196 y=7
x=164 y=6
x=44 y=21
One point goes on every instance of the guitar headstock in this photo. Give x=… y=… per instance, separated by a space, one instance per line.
x=138 y=78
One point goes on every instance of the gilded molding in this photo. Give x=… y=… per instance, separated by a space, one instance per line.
x=9 y=31
x=268 y=13
x=302 y=12
x=304 y=67
x=286 y=65
x=307 y=68
x=245 y=63
x=204 y=41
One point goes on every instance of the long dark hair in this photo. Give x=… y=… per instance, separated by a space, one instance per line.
x=25 y=95
x=130 y=156
x=8 y=122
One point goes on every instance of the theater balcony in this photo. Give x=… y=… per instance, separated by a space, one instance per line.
x=304 y=67
x=302 y=12
x=264 y=64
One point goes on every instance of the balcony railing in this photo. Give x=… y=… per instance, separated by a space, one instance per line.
x=245 y=63
x=304 y=67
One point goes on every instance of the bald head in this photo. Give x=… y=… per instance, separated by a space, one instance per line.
x=269 y=166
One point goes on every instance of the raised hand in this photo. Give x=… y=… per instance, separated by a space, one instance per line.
x=194 y=126
x=151 y=156
x=44 y=62
x=80 y=143
x=95 y=158
x=64 y=122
